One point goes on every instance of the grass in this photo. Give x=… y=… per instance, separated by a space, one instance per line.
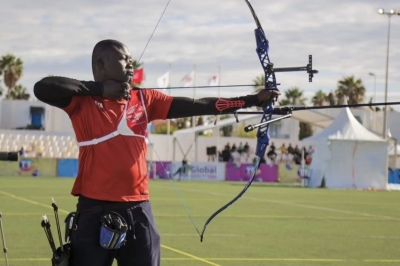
x=270 y=225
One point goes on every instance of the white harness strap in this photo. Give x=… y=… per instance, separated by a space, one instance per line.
x=95 y=141
x=122 y=129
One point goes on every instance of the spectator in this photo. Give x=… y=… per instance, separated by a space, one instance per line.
x=183 y=170
x=272 y=155
x=272 y=146
x=240 y=149
x=235 y=156
x=283 y=152
x=226 y=154
x=290 y=149
x=22 y=152
x=228 y=146
x=234 y=147
x=297 y=155
x=246 y=147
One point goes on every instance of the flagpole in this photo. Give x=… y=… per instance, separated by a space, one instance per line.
x=217 y=117
x=219 y=81
x=194 y=92
x=193 y=117
x=168 y=120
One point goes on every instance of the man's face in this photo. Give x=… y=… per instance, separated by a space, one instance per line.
x=118 y=64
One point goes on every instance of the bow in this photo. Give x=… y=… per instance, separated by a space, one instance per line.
x=267 y=110
x=267 y=107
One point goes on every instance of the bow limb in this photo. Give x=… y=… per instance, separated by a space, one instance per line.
x=232 y=201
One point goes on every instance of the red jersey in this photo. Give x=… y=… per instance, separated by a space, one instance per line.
x=114 y=169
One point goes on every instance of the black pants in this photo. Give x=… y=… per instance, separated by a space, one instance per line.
x=142 y=247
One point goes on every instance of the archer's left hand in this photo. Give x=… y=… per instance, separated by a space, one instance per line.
x=265 y=97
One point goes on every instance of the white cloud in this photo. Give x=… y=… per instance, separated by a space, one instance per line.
x=345 y=38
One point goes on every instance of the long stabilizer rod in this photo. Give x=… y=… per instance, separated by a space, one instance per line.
x=289 y=109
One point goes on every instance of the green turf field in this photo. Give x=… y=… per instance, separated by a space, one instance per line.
x=269 y=225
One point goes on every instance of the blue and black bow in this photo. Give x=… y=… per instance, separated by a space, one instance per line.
x=268 y=107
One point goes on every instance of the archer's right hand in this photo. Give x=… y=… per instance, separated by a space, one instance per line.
x=115 y=90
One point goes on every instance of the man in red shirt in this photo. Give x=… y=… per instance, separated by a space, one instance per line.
x=110 y=120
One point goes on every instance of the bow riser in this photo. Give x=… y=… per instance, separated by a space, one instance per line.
x=270 y=84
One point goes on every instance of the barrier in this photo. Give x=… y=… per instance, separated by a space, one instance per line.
x=67 y=168
x=243 y=172
x=29 y=167
x=195 y=171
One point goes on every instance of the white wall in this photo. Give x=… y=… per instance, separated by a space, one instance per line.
x=16 y=113
x=164 y=147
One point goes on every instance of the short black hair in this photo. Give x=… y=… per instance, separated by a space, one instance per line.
x=104 y=46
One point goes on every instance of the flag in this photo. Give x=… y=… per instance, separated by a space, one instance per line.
x=188 y=80
x=138 y=76
x=163 y=81
x=213 y=81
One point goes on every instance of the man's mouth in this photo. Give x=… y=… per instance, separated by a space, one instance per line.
x=129 y=73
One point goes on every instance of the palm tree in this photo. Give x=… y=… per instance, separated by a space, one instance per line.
x=352 y=88
x=331 y=99
x=319 y=98
x=293 y=96
x=259 y=83
x=136 y=64
x=18 y=93
x=12 y=68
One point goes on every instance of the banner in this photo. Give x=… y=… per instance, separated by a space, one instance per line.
x=243 y=172
x=158 y=170
x=193 y=171
x=67 y=167
x=29 y=167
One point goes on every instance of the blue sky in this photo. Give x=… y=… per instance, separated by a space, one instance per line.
x=345 y=37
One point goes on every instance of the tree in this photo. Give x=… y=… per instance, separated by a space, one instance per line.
x=259 y=83
x=331 y=99
x=184 y=122
x=351 y=88
x=293 y=96
x=227 y=131
x=240 y=133
x=18 y=93
x=136 y=64
x=162 y=129
x=12 y=69
x=305 y=130
x=319 y=98
x=200 y=121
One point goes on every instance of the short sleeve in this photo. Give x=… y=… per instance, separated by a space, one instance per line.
x=157 y=104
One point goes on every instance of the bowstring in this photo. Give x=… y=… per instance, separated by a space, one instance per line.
x=174 y=187
x=151 y=143
x=155 y=28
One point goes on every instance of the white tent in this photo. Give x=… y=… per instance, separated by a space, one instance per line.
x=347 y=155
